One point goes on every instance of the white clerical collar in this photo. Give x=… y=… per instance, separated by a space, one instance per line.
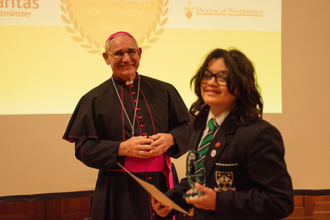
x=129 y=82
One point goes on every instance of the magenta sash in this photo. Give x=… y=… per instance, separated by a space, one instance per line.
x=153 y=164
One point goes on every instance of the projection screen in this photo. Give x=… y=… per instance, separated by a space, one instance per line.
x=51 y=56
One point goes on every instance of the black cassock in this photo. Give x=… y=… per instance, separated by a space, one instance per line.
x=99 y=124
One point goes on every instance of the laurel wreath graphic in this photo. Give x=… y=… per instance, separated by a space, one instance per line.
x=93 y=47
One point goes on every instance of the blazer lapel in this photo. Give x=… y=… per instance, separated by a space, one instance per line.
x=218 y=144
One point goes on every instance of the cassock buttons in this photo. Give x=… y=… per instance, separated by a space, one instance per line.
x=213 y=153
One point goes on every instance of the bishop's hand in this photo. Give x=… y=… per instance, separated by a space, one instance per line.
x=138 y=146
x=161 y=143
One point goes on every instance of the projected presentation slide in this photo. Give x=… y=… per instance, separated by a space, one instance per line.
x=51 y=51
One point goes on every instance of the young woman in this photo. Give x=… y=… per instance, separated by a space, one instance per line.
x=246 y=174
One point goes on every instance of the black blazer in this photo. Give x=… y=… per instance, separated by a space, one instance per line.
x=245 y=165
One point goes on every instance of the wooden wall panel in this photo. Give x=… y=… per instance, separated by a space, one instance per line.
x=311 y=208
x=68 y=209
x=23 y=211
x=306 y=208
x=53 y=209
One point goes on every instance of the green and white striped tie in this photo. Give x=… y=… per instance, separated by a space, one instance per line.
x=204 y=146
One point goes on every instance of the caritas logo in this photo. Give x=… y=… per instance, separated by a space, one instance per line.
x=17 y=8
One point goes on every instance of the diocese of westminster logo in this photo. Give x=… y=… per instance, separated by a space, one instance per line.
x=189 y=10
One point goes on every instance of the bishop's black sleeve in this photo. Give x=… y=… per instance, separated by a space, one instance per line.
x=177 y=192
x=178 y=124
x=99 y=154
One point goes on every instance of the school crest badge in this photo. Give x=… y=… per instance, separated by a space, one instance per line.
x=224 y=181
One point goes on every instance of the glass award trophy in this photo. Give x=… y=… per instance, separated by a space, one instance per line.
x=192 y=176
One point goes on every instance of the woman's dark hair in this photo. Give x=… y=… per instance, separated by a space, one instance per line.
x=240 y=77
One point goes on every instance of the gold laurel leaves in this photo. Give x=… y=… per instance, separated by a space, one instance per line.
x=157 y=26
x=77 y=31
x=94 y=47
